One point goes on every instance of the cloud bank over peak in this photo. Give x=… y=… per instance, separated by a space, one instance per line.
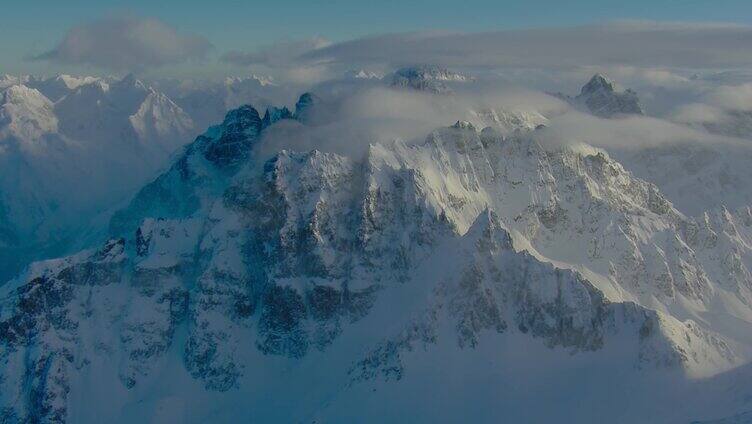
x=635 y=43
x=126 y=43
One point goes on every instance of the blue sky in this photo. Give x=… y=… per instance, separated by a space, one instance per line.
x=33 y=27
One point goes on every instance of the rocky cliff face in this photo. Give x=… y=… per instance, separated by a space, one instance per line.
x=232 y=273
x=602 y=97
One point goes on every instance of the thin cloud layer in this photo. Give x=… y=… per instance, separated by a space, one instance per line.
x=651 y=44
x=725 y=110
x=126 y=43
x=732 y=97
x=281 y=59
x=278 y=54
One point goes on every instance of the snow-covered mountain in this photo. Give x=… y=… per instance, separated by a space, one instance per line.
x=127 y=108
x=66 y=161
x=363 y=74
x=695 y=171
x=57 y=87
x=508 y=120
x=26 y=114
x=8 y=80
x=430 y=78
x=472 y=275
x=602 y=97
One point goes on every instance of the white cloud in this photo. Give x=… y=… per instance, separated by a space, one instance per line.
x=277 y=54
x=627 y=133
x=281 y=59
x=738 y=98
x=126 y=43
x=719 y=105
x=643 y=44
x=352 y=116
x=698 y=113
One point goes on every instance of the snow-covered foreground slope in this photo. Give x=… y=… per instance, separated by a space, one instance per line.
x=472 y=276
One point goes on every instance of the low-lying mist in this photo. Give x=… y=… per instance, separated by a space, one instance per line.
x=352 y=115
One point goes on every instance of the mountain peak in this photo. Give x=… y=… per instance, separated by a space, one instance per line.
x=363 y=74
x=599 y=82
x=130 y=81
x=244 y=119
x=73 y=82
x=305 y=104
x=604 y=98
x=433 y=72
x=464 y=125
x=26 y=113
x=239 y=130
x=261 y=80
x=7 y=80
x=274 y=114
x=432 y=78
x=55 y=88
